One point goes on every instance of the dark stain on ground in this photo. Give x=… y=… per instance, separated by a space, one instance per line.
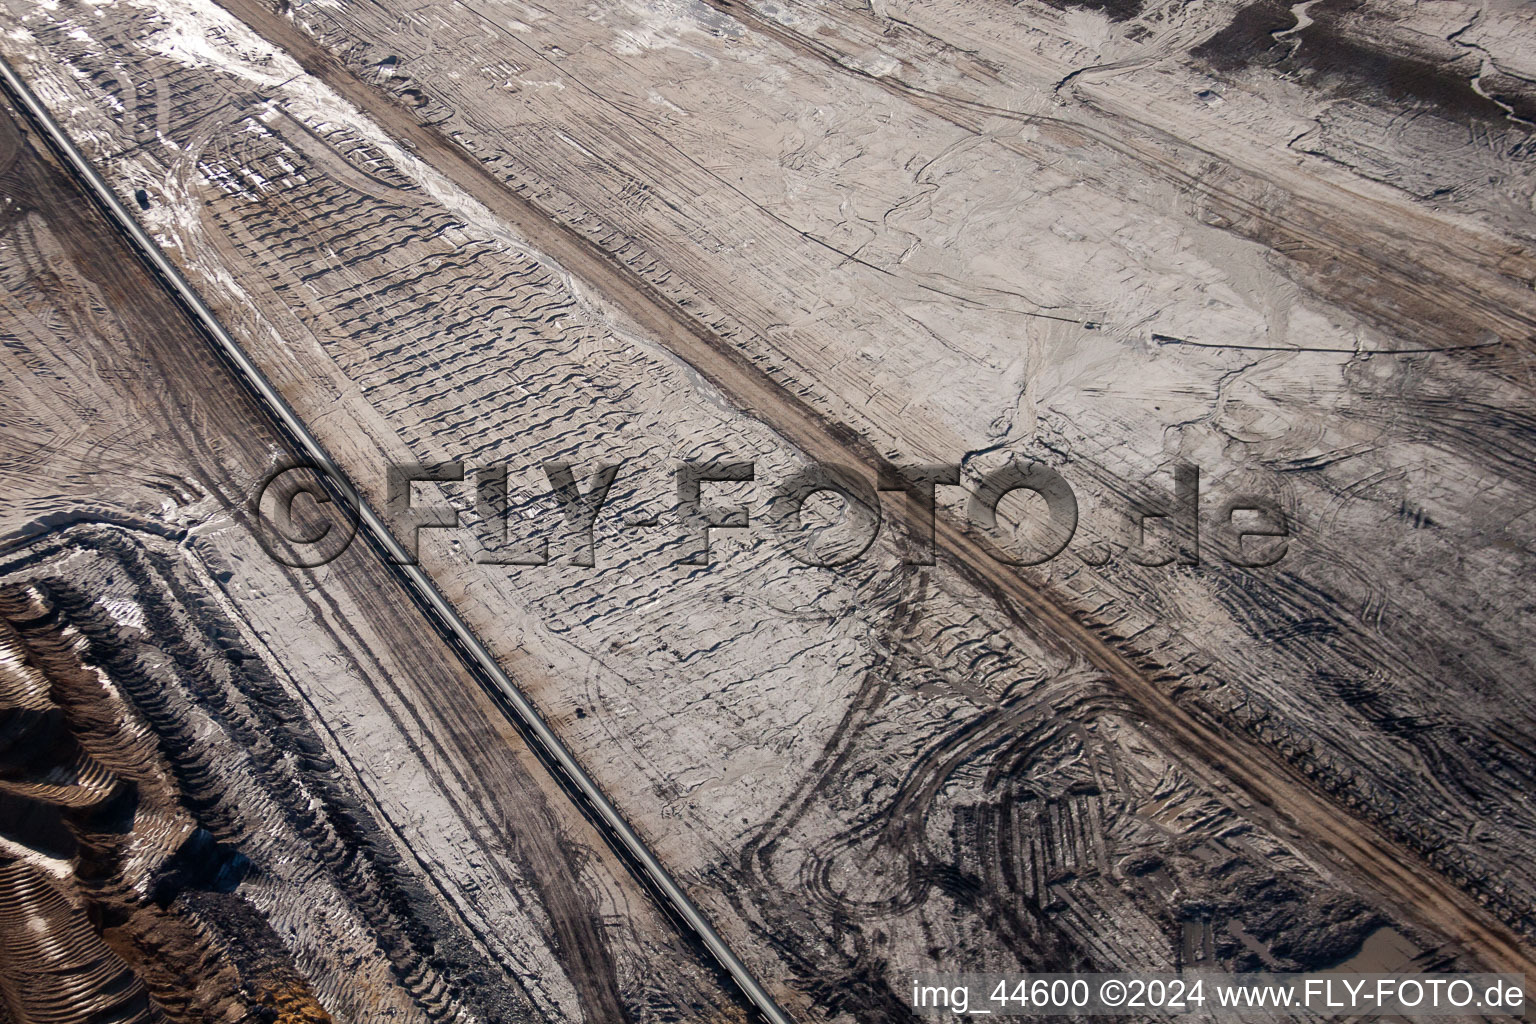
x=1116 y=10
x=1323 y=56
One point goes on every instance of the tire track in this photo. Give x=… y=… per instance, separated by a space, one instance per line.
x=524 y=716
